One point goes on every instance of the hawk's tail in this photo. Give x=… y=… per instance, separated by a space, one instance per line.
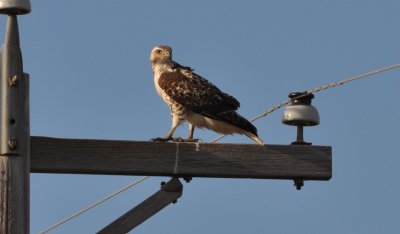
x=254 y=138
x=248 y=128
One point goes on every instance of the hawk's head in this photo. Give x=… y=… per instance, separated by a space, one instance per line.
x=160 y=54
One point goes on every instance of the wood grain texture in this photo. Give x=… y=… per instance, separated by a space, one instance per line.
x=84 y=156
x=168 y=193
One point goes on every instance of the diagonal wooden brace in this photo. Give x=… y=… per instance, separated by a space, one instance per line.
x=169 y=193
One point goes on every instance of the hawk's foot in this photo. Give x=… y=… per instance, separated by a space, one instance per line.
x=191 y=140
x=178 y=139
x=174 y=139
x=161 y=139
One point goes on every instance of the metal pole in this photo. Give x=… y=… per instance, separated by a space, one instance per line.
x=14 y=136
x=300 y=132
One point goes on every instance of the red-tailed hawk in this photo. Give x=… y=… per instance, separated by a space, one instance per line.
x=193 y=98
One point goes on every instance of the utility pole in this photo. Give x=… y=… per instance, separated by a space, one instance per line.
x=14 y=120
x=113 y=157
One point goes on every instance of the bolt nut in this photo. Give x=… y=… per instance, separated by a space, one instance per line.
x=187 y=179
x=12 y=80
x=12 y=143
x=298 y=183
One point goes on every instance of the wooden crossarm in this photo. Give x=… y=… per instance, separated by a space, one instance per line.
x=115 y=157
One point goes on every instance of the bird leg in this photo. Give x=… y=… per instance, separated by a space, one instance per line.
x=167 y=137
x=175 y=124
x=190 y=137
x=191 y=132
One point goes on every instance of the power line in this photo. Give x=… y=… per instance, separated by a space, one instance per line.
x=315 y=90
x=94 y=204
x=263 y=114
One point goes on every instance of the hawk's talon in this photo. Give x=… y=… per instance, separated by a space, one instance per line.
x=191 y=140
x=174 y=139
x=161 y=139
x=178 y=139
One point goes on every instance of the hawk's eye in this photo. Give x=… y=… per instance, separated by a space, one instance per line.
x=158 y=51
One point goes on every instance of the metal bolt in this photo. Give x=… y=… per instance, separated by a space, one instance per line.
x=298 y=183
x=187 y=179
x=12 y=80
x=12 y=143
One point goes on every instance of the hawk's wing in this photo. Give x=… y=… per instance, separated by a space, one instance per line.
x=196 y=93
x=199 y=95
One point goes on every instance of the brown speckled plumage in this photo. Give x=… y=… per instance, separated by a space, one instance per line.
x=193 y=98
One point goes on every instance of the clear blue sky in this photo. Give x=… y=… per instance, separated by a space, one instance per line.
x=91 y=78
